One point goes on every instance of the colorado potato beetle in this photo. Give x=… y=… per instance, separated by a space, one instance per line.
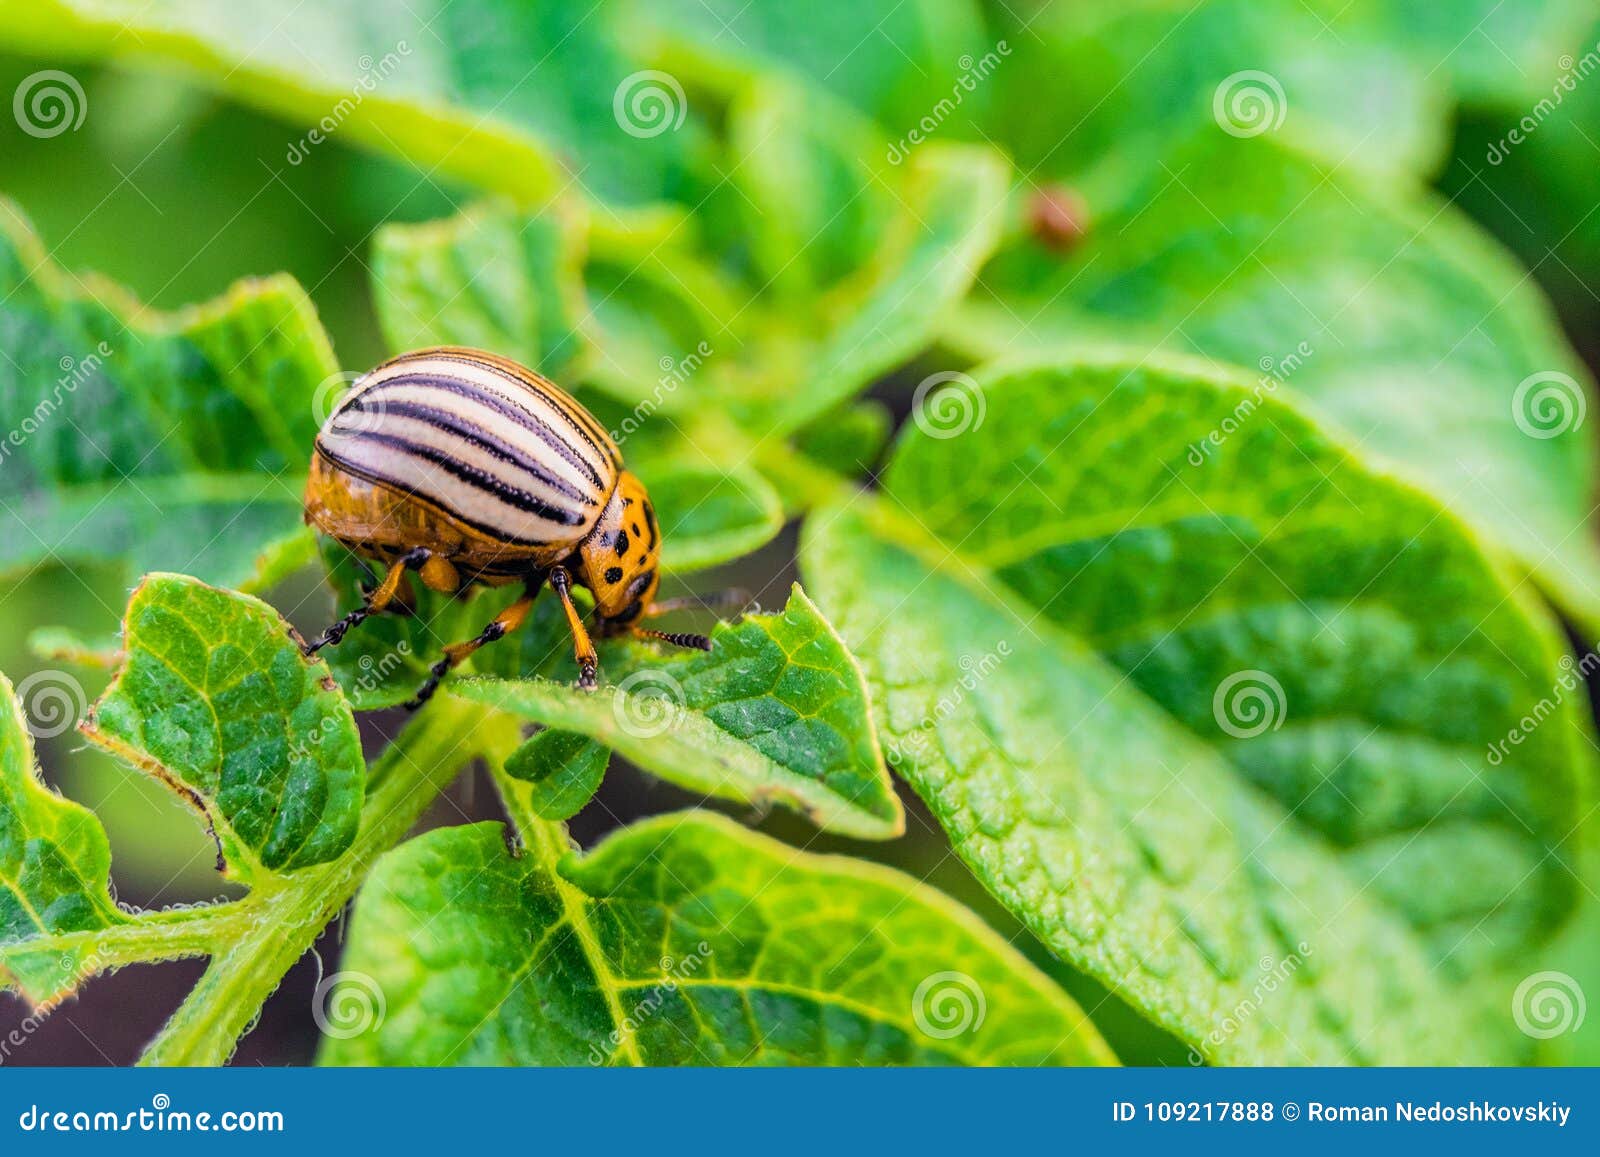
x=468 y=468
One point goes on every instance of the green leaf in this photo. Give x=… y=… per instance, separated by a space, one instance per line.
x=563 y=770
x=1533 y=188
x=815 y=195
x=216 y=699
x=683 y=940
x=1372 y=317
x=499 y=93
x=61 y=645
x=1361 y=83
x=710 y=517
x=1493 y=55
x=850 y=440
x=1326 y=72
x=516 y=284
x=926 y=262
x=55 y=870
x=1193 y=715
x=675 y=337
x=147 y=438
x=776 y=712
x=894 y=63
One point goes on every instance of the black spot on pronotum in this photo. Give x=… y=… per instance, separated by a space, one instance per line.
x=635 y=529
x=614 y=574
x=620 y=544
x=650 y=518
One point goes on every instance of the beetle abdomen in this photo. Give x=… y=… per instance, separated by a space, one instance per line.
x=485 y=440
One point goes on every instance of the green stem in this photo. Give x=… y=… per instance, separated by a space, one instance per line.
x=152 y=936
x=280 y=920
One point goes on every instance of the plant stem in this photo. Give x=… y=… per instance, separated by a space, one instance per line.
x=153 y=936
x=282 y=918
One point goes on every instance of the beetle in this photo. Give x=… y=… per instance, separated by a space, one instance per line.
x=467 y=468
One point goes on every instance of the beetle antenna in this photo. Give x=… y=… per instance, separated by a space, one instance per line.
x=692 y=642
x=712 y=601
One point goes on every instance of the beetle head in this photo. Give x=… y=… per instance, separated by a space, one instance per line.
x=621 y=557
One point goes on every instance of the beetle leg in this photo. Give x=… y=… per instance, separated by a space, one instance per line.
x=500 y=626
x=376 y=601
x=583 y=649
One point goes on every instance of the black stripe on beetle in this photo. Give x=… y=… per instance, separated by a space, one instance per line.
x=577 y=419
x=473 y=476
x=526 y=419
x=480 y=439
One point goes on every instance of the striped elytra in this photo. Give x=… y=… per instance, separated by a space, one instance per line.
x=464 y=467
x=486 y=441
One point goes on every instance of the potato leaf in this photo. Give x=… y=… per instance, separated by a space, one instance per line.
x=1493 y=55
x=520 y=283
x=683 y=940
x=1323 y=71
x=671 y=336
x=500 y=94
x=1367 y=84
x=55 y=870
x=1371 y=317
x=151 y=438
x=1199 y=719
x=562 y=770
x=776 y=712
x=849 y=440
x=216 y=699
x=894 y=63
